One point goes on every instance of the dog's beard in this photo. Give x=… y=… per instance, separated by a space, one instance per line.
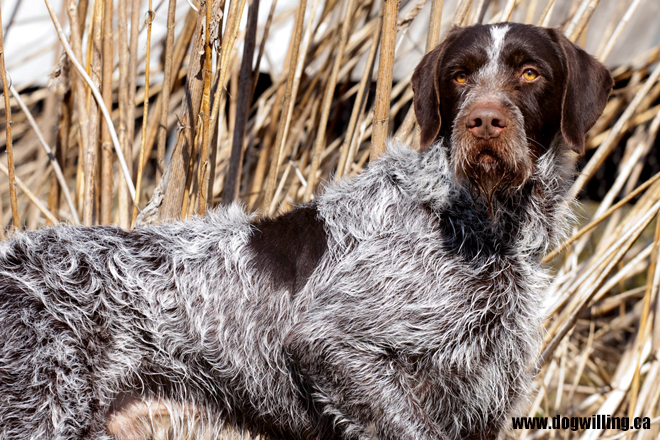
x=491 y=169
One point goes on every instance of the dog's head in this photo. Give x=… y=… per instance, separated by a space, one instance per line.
x=502 y=94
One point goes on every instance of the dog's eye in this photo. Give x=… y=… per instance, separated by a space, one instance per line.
x=461 y=77
x=530 y=74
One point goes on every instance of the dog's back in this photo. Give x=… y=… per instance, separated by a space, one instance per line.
x=172 y=311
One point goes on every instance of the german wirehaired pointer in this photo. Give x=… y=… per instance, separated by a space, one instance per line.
x=404 y=303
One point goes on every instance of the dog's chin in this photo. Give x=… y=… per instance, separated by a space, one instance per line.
x=488 y=159
x=489 y=170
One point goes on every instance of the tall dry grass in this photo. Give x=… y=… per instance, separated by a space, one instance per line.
x=91 y=149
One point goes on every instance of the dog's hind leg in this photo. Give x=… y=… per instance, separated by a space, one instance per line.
x=47 y=391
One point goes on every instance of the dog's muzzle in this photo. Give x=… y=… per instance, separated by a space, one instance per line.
x=489 y=147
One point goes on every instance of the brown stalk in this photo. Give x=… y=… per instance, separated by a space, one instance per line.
x=266 y=150
x=531 y=11
x=80 y=172
x=190 y=194
x=641 y=332
x=167 y=89
x=404 y=22
x=297 y=77
x=217 y=137
x=618 y=31
x=132 y=78
x=508 y=10
x=262 y=47
x=636 y=148
x=327 y=101
x=233 y=96
x=231 y=186
x=462 y=12
x=599 y=259
x=51 y=104
x=225 y=60
x=80 y=93
x=351 y=168
x=90 y=40
x=124 y=200
x=226 y=63
x=216 y=143
x=384 y=82
x=286 y=113
x=2 y=230
x=204 y=112
x=90 y=159
x=580 y=19
x=158 y=113
x=544 y=19
x=640 y=208
x=479 y=11
x=223 y=131
x=106 y=141
x=145 y=114
x=181 y=155
x=10 y=150
x=82 y=14
x=61 y=147
x=283 y=180
x=280 y=138
x=345 y=158
x=432 y=40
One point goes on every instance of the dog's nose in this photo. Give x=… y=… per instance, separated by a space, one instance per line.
x=486 y=122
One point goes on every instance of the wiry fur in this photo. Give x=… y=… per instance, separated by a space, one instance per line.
x=178 y=311
x=460 y=344
x=410 y=310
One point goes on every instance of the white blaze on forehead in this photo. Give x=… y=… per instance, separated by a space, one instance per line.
x=497 y=34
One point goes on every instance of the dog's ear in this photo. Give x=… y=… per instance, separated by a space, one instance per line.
x=587 y=87
x=426 y=91
x=426 y=99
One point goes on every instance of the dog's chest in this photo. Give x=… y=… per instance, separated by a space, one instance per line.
x=480 y=307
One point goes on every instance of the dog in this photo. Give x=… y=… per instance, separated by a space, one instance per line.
x=404 y=303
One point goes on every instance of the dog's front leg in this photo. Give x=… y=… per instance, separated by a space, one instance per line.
x=358 y=384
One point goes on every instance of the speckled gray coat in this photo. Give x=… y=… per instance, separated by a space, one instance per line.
x=420 y=320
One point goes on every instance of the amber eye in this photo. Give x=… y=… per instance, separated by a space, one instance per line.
x=530 y=75
x=461 y=78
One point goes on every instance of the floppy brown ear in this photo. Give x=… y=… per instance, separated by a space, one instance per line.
x=587 y=87
x=426 y=97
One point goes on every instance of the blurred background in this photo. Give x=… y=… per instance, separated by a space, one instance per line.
x=164 y=108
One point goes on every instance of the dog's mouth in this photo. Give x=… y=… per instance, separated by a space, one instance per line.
x=493 y=167
x=487 y=156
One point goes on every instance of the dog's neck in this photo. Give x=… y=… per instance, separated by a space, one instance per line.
x=527 y=220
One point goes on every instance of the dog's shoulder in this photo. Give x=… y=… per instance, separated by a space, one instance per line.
x=383 y=198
